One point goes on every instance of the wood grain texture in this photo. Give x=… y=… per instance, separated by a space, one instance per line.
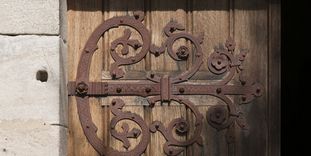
x=214 y=142
x=251 y=32
x=159 y=20
x=127 y=8
x=274 y=78
x=118 y=145
x=165 y=114
x=134 y=104
x=80 y=23
x=214 y=23
x=255 y=25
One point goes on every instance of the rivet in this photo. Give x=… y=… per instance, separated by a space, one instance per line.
x=81 y=88
x=136 y=16
x=181 y=90
x=114 y=75
x=172 y=29
x=218 y=90
x=243 y=98
x=136 y=46
x=113 y=103
x=218 y=115
x=135 y=134
x=148 y=90
x=243 y=83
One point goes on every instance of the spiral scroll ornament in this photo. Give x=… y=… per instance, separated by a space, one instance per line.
x=160 y=88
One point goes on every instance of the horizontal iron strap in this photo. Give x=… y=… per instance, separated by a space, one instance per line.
x=209 y=89
x=147 y=88
x=140 y=88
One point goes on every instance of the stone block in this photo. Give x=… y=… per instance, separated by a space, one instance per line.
x=29 y=17
x=29 y=138
x=30 y=108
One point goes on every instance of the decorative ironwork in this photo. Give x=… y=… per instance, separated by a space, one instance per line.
x=160 y=88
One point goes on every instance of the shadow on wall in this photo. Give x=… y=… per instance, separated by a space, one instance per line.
x=164 y=5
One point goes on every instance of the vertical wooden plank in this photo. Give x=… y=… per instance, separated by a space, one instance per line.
x=165 y=114
x=148 y=110
x=122 y=8
x=214 y=142
x=118 y=145
x=164 y=11
x=274 y=78
x=212 y=18
x=106 y=54
x=251 y=32
x=147 y=22
x=83 y=18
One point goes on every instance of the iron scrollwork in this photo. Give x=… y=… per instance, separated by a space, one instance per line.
x=159 y=88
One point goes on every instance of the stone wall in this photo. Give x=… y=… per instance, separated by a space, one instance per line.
x=32 y=104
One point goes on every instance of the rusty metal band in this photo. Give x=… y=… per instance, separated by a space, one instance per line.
x=160 y=88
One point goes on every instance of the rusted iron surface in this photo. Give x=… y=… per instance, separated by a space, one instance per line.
x=182 y=128
x=163 y=88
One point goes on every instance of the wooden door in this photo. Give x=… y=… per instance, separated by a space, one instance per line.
x=253 y=25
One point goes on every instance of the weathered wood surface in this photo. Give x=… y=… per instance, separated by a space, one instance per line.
x=254 y=25
x=80 y=23
x=251 y=32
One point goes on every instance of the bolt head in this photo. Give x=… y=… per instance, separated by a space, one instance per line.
x=81 y=88
x=181 y=90
x=118 y=90
x=218 y=90
x=148 y=90
x=113 y=103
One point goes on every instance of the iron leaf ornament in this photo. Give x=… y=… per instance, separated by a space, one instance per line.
x=157 y=88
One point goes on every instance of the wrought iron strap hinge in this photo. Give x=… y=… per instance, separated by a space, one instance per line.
x=156 y=88
x=163 y=89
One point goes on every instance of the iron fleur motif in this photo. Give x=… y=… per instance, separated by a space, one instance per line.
x=160 y=88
